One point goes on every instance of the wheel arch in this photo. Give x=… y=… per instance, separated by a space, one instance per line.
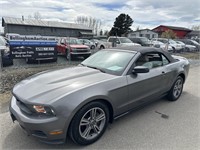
x=182 y=75
x=104 y=101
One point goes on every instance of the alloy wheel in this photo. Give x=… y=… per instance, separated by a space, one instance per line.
x=92 y=123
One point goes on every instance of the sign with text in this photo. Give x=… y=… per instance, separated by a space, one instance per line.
x=34 y=48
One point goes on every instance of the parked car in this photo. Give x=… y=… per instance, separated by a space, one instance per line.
x=81 y=101
x=96 y=41
x=102 y=44
x=6 y=59
x=183 y=46
x=187 y=47
x=163 y=46
x=191 y=42
x=89 y=43
x=121 y=41
x=141 y=40
x=72 y=47
x=176 y=47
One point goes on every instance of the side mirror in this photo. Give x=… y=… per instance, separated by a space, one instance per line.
x=62 y=43
x=140 y=69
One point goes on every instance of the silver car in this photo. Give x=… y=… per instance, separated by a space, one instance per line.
x=81 y=101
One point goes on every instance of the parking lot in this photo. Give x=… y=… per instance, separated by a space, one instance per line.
x=146 y=128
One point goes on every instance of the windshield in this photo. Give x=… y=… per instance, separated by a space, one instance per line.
x=125 y=40
x=109 y=61
x=162 y=40
x=73 y=41
x=172 y=42
x=195 y=42
x=179 y=42
x=145 y=40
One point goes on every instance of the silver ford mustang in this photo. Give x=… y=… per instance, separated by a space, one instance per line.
x=79 y=102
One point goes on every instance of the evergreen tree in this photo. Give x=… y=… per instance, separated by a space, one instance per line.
x=121 y=25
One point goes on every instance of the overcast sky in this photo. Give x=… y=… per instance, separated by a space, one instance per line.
x=145 y=13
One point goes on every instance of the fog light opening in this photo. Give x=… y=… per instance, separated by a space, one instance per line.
x=55 y=132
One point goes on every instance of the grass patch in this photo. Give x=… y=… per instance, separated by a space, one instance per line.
x=194 y=55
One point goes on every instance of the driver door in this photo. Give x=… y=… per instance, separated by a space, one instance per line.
x=143 y=87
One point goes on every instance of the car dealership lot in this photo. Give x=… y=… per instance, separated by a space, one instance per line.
x=141 y=129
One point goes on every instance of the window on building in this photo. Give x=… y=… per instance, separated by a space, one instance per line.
x=147 y=36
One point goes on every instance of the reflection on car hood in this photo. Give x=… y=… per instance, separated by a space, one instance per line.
x=49 y=85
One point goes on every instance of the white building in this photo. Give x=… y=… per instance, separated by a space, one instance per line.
x=143 y=33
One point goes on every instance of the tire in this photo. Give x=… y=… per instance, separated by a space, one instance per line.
x=94 y=118
x=174 y=50
x=102 y=47
x=176 y=90
x=92 y=47
x=54 y=60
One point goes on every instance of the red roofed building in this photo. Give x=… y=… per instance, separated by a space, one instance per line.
x=181 y=32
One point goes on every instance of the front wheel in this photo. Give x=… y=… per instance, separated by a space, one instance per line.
x=92 y=47
x=176 y=90
x=89 y=123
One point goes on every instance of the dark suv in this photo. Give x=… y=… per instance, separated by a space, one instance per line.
x=141 y=40
x=191 y=42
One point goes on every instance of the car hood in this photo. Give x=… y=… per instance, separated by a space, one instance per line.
x=50 y=85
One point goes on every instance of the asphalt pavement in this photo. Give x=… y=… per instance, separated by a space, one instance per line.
x=160 y=125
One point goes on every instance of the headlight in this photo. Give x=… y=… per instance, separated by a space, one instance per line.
x=43 y=110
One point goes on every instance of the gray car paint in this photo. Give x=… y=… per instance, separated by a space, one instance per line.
x=67 y=90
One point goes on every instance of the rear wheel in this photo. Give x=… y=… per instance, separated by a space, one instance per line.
x=89 y=123
x=176 y=90
x=102 y=47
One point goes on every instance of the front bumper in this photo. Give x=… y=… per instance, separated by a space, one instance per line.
x=80 y=53
x=39 y=127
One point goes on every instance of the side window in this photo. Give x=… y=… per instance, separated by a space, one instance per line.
x=111 y=40
x=144 y=61
x=151 y=60
x=165 y=61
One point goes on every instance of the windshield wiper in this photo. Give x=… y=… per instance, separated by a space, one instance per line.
x=94 y=68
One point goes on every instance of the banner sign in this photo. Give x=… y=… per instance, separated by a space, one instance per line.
x=34 y=47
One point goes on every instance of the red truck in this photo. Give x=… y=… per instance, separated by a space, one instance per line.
x=72 y=47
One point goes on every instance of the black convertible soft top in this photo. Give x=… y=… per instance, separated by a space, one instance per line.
x=144 y=50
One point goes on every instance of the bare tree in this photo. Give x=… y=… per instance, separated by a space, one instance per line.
x=37 y=16
x=91 y=22
x=29 y=17
x=196 y=27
